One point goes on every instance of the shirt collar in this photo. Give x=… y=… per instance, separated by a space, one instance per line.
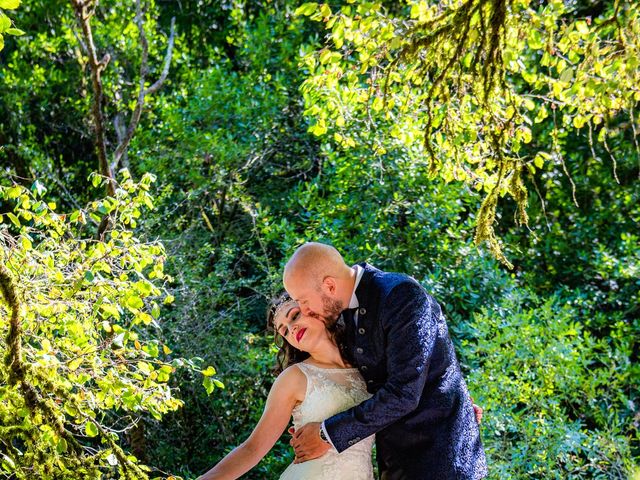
x=353 y=303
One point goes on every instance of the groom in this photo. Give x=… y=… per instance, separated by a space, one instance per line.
x=420 y=410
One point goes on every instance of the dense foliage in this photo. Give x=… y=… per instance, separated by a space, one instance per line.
x=346 y=122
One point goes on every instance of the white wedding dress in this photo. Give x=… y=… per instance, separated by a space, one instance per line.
x=330 y=391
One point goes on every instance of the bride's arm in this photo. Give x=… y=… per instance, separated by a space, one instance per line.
x=288 y=389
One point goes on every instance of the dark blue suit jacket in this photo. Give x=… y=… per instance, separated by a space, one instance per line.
x=420 y=411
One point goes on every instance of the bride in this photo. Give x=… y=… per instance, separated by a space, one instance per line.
x=316 y=382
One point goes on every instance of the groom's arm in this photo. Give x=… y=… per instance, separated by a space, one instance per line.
x=410 y=321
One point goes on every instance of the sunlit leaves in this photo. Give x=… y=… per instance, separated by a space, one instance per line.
x=5 y=22
x=89 y=318
x=571 y=73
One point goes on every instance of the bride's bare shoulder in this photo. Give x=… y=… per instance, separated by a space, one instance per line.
x=293 y=380
x=292 y=374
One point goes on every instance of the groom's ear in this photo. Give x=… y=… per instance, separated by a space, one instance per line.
x=329 y=284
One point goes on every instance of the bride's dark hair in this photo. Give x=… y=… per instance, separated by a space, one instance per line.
x=288 y=354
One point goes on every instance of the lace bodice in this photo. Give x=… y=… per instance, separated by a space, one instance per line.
x=330 y=391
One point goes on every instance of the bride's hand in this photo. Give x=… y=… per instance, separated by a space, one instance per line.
x=307 y=443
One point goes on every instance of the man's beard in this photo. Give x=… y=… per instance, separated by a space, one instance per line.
x=331 y=310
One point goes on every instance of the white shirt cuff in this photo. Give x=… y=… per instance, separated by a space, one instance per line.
x=324 y=430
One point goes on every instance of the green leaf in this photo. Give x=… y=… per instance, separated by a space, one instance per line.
x=135 y=302
x=61 y=446
x=217 y=383
x=37 y=188
x=74 y=364
x=26 y=243
x=535 y=39
x=14 y=192
x=95 y=179
x=307 y=9
x=91 y=429
x=582 y=27
x=5 y=22
x=111 y=310
x=15 y=31
x=14 y=219
x=208 y=385
x=70 y=410
x=325 y=10
x=566 y=75
x=7 y=463
x=145 y=368
x=9 y=4
x=210 y=371
x=579 y=121
x=169 y=299
x=118 y=341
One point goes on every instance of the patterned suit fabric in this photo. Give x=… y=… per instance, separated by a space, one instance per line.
x=420 y=410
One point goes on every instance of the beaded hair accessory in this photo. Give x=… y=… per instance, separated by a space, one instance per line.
x=284 y=301
x=282 y=306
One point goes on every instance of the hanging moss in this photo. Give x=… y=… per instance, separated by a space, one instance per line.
x=427 y=41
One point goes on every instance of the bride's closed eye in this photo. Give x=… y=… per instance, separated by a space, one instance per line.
x=283 y=329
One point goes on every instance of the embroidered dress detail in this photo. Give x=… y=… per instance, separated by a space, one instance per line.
x=330 y=391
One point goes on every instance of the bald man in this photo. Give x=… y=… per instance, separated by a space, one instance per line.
x=397 y=336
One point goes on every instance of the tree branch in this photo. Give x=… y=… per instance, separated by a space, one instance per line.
x=142 y=92
x=13 y=360
x=84 y=14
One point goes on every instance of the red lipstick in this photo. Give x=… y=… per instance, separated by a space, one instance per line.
x=300 y=334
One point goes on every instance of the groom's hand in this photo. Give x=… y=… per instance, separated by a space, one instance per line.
x=478 y=411
x=307 y=443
